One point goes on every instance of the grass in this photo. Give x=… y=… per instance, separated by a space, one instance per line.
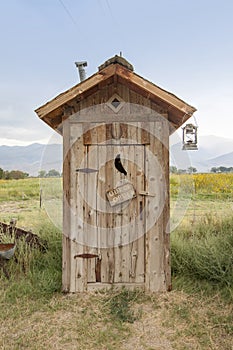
x=197 y=314
x=166 y=321
x=120 y=305
x=204 y=256
x=210 y=186
x=15 y=190
x=33 y=273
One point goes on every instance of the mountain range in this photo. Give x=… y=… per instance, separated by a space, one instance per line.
x=31 y=159
x=213 y=151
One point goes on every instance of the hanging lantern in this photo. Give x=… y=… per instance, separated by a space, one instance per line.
x=189 y=137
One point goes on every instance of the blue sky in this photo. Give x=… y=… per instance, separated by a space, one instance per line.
x=184 y=46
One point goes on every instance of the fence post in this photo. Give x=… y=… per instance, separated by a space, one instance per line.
x=40 y=198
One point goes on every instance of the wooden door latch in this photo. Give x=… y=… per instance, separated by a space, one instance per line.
x=146 y=193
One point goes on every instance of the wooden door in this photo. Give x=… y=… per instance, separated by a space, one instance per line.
x=114 y=213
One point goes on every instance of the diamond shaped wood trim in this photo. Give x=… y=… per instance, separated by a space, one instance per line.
x=115 y=103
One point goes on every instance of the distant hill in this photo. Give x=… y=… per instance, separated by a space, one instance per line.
x=32 y=158
x=225 y=160
x=212 y=151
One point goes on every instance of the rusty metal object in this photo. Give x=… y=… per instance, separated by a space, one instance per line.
x=30 y=238
x=86 y=256
x=7 y=250
x=98 y=270
x=87 y=170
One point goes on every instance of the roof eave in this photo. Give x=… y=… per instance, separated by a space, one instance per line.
x=181 y=110
x=75 y=91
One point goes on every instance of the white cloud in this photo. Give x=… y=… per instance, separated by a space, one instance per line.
x=25 y=132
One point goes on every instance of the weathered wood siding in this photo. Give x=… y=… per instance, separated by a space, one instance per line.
x=104 y=245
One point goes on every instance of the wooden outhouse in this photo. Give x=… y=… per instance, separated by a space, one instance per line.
x=116 y=128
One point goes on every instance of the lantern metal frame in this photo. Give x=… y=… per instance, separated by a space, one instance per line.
x=189 y=137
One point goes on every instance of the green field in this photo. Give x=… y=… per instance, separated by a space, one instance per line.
x=197 y=314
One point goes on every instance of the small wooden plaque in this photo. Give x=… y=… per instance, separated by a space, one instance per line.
x=121 y=194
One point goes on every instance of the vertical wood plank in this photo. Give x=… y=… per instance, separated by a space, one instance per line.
x=66 y=263
x=79 y=153
x=141 y=217
x=109 y=175
x=91 y=220
x=117 y=226
x=166 y=212
x=75 y=132
x=101 y=213
x=154 y=237
x=133 y=215
x=126 y=216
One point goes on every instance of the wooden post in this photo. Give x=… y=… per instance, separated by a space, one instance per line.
x=40 y=198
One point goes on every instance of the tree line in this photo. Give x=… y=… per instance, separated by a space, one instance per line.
x=222 y=169
x=12 y=174
x=192 y=170
x=18 y=174
x=50 y=173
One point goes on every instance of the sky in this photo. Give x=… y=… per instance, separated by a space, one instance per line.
x=183 y=46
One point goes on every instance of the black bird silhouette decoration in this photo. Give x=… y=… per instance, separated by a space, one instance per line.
x=119 y=166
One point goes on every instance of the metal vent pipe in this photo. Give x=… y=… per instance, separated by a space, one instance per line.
x=81 y=69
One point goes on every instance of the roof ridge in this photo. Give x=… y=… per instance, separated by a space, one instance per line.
x=116 y=60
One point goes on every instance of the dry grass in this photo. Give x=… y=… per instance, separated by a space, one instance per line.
x=167 y=321
x=175 y=320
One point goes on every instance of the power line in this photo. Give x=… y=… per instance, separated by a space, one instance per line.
x=110 y=10
x=108 y=7
x=68 y=12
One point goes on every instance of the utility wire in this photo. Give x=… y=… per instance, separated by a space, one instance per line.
x=109 y=9
x=68 y=12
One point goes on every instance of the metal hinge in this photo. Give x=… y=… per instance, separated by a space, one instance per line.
x=133 y=264
x=86 y=256
x=87 y=170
